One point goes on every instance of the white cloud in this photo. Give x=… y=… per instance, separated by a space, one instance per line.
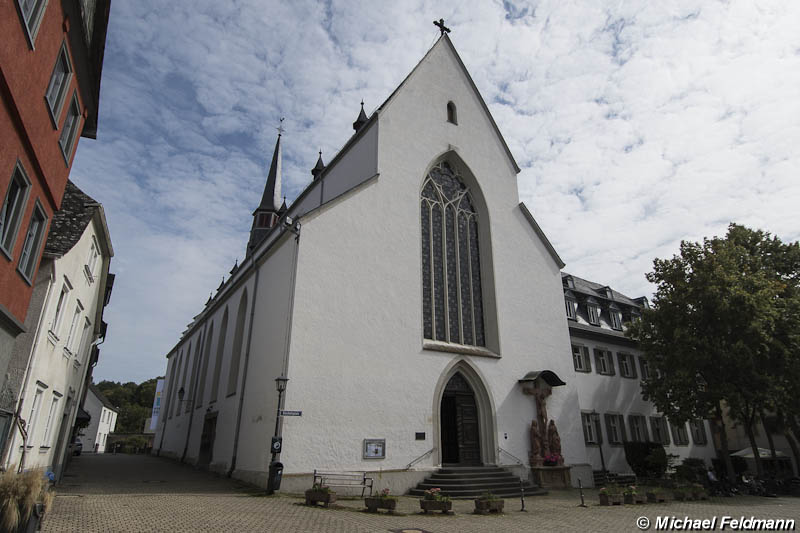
x=637 y=124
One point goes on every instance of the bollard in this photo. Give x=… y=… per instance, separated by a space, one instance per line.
x=580 y=487
x=522 y=495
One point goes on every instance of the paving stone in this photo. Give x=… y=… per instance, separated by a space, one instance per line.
x=142 y=494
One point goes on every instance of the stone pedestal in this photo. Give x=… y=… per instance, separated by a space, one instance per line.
x=552 y=477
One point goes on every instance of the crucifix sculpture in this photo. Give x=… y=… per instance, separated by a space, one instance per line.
x=442 y=28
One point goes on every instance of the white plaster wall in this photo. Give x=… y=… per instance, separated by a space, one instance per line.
x=94 y=407
x=618 y=395
x=61 y=371
x=357 y=366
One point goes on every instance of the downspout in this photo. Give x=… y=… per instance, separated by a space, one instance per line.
x=244 y=374
x=16 y=421
x=194 y=388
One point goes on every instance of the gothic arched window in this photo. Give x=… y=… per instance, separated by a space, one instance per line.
x=452 y=305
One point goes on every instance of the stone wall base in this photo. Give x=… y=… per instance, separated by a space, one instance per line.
x=551 y=477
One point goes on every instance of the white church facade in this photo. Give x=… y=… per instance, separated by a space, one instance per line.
x=409 y=297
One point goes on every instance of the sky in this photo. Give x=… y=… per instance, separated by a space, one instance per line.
x=636 y=125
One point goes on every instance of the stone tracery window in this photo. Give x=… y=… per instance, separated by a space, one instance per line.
x=451 y=274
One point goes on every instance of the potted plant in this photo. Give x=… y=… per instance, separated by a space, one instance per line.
x=489 y=503
x=320 y=493
x=24 y=499
x=604 y=496
x=655 y=495
x=433 y=500
x=382 y=501
x=629 y=493
x=554 y=459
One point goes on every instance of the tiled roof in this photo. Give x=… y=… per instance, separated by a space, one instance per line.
x=591 y=288
x=69 y=223
x=100 y=396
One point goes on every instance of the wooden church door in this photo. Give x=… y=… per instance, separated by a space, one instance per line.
x=460 y=431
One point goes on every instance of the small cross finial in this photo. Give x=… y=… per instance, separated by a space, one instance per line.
x=280 y=127
x=440 y=24
x=320 y=152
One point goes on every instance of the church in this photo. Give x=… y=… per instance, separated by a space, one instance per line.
x=408 y=297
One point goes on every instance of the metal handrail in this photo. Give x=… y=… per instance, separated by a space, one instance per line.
x=420 y=458
x=517 y=459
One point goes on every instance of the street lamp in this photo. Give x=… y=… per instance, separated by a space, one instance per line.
x=276 y=468
x=596 y=421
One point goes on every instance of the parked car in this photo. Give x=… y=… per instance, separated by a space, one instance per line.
x=77 y=446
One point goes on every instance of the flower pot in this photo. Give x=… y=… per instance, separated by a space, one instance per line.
x=435 y=505
x=604 y=499
x=639 y=498
x=489 y=506
x=320 y=496
x=373 y=504
x=628 y=499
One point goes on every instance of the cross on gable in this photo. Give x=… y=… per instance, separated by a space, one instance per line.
x=442 y=28
x=280 y=126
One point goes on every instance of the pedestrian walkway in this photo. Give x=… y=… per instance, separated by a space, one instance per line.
x=136 y=493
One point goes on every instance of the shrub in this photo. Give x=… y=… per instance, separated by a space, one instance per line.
x=692 y=470
x=739 y=466
x=646 y=459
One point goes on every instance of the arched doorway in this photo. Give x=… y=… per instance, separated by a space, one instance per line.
x=460 y=428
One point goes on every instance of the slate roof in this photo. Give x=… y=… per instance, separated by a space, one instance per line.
x=69 y=223
x=100 y=396
x=594 y=289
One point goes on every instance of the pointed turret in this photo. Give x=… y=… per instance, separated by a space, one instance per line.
x=319 y=167
x=283 y=208
x=362 y=118
x=266 y=214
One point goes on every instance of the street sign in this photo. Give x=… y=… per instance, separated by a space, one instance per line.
x=291 y=413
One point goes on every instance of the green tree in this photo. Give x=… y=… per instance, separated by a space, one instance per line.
x=723 y=328
x=134 y=401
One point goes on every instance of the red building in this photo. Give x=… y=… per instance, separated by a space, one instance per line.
x=51 y=57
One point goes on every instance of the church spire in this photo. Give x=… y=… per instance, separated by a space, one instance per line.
x=318 y=168
x=362 y=118
x=266 y=214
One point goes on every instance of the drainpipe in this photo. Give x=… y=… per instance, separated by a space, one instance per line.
x=194 y=388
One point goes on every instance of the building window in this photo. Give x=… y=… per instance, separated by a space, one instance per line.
x=452 y=300
x=87 y=329
x=645 y=367
x=679 y=434
x=452 y=115
x=593 y=309
x=70 y=129
x=658 y=428
x=59 y=82
x=572 y=305
x=627 y=366
x=603 y=362
x=580 y=358
x=638 y=425
x=51 y=417
x=33 y=242
x=13 y=208
x=591 y=429
x=33 y=416
x=698 y=430
x=32 y=12
x=73 y=329
x=568 y=282
x=616 y=317
x=91 y=261
x=615 y=429
x=62 y=303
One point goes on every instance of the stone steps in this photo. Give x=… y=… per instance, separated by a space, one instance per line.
x=473 y=481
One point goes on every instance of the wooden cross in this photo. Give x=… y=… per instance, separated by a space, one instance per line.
x=442 y=28
x=280 y=127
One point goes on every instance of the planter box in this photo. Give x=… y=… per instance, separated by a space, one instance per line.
x=639 y=498
x=700 y=495
x=679 y=496
x=628 y=499
x=489 y=506
x=604 y=500
x=373 y=504
x=434 y=505
x=318 y=496
x=615 y=499
x=656 y=497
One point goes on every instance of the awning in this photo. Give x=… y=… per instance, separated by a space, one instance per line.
x=82 y=416
x=763 y=453
x=548 y=376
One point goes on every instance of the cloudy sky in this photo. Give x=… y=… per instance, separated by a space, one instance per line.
x=636 y=124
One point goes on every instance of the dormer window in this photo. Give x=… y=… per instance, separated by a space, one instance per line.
x=571 y=304
x=568 y=282
x=616 y=316
x=635 y=315
x=606 y=292
x=452 y=116
x=593 y=310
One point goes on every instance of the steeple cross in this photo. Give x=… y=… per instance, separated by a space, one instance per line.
x=280 y=127
x=442 y=28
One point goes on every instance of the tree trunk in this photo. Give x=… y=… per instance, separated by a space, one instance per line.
x=748 y=427
x=795 y=450
x=768 y=431
x=723 y=445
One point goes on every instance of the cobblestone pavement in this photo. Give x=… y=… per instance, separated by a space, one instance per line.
x=141 y=493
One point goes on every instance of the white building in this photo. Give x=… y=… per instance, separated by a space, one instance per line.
x=396 y=329
x=608 y=371
x=103 y=422
x=53 y=358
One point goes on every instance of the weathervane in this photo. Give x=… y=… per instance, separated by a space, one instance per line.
x=442 y=28
x=280 y=127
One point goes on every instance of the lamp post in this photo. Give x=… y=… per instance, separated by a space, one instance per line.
x=275 y=468
x=596 y=420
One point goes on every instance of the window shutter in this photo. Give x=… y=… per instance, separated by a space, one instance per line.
x=608 y=429
x=583 y=425
x=620 y=358
x=610 y=360
x=674 y=431
x=586 y=359
x=632 y=364
x=645 y=433
x=597 y=430
x=621 y=420
x=597 y=356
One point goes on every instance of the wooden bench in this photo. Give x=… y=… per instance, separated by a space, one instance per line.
x=344 y=479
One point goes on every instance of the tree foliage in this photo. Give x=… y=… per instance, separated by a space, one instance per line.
x=724 y=327
x=134 y=401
